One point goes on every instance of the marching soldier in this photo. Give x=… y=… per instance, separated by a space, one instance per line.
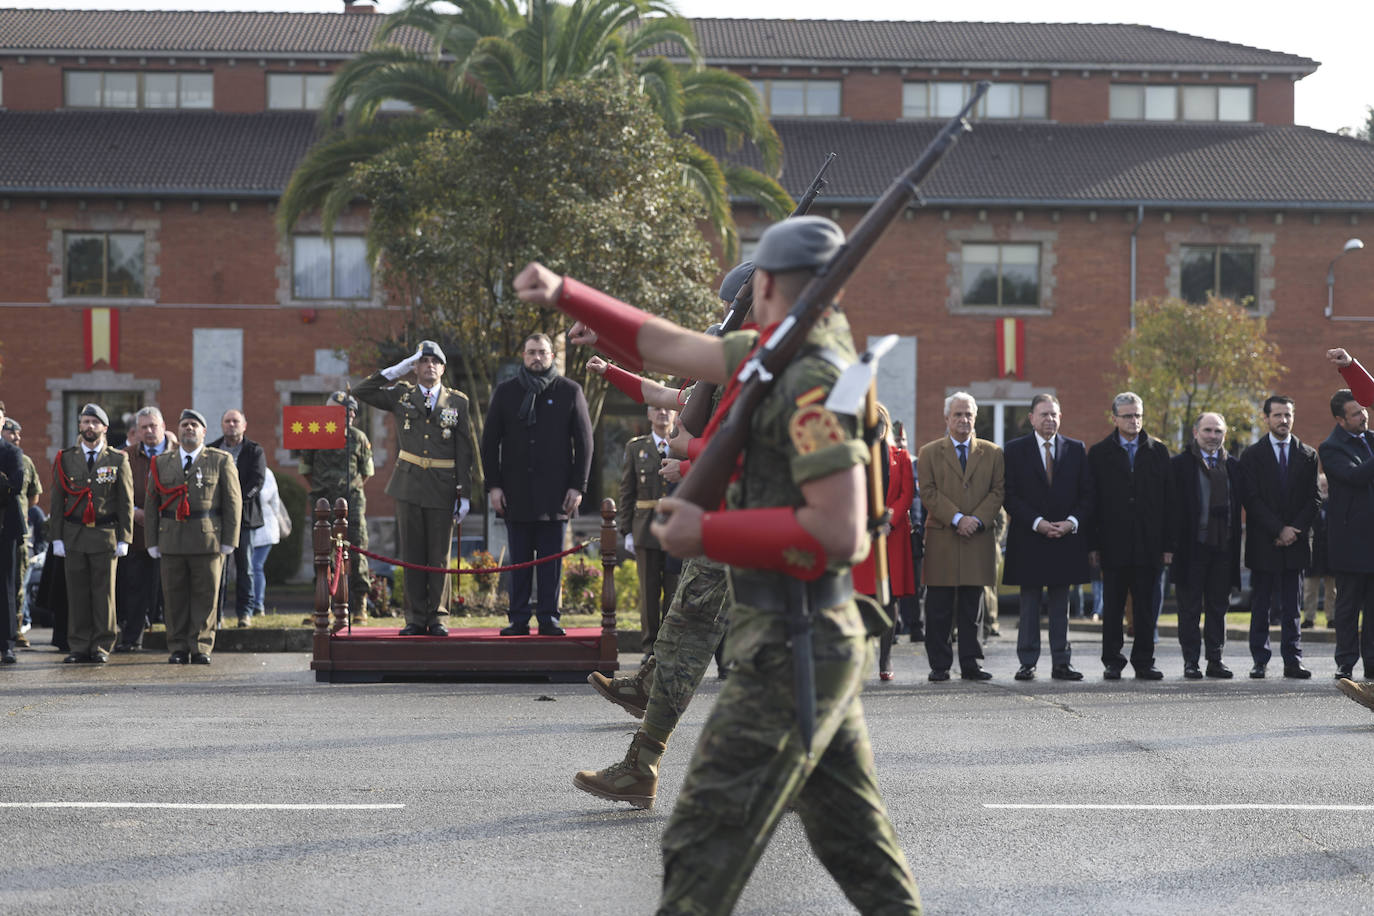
x=339 y=473
x=640 y=489
x=32 y=488
x=794 y=524
x=191 y=521
x=93 y=523
x=438 y=454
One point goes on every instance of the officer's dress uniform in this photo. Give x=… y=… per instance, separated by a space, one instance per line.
x=93 y=509
x=640 y=489
x=438 y=453
x=339 y=473
x=190 y=545
x=749 y=764
x=28 y=496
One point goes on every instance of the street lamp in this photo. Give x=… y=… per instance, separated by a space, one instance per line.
x=1350 y=245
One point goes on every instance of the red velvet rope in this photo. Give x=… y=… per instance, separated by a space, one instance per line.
x=337 y=572
x=466 y=572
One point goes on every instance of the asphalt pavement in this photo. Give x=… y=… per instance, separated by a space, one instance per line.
x=1042 y=797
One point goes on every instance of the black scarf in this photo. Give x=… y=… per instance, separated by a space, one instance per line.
x=534 y=384
x=1219 y=508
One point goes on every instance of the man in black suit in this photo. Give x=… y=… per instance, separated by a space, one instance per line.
x=12 y=529
x=537 y=449
x=1281 y=502
x=1208 y=498
x=1133 y=538
x=1049 y=496
x=1348 y=457
x=252 y=466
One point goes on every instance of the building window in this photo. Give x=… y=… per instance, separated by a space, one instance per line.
x=119 y=406
x=1001 y=274
x=1227 y=271
x=1004 y=100
x=1001 y=421
x=297 y=91
x=799 y=98
x=104 y=264
x=330 y=269
x=132 y=89
x=1131 y=102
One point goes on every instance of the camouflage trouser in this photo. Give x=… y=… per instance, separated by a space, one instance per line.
x=750 y=765
x=22 y=571
x=685 y=644
x=360 y=576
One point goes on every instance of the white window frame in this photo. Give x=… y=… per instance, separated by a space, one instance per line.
x=333 y=247
x=764 y=88
x=915 y=108
x=1130 y=102
x=302 y=100
x=140 y=90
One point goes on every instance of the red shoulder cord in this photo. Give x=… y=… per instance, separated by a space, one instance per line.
x=183 y=507
x=87 y=517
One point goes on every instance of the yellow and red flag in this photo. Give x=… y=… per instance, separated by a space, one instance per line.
x=102 y=338
x=308 y=426
x=1011 y=348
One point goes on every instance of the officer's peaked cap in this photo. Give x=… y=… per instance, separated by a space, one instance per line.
x=344 y=398
x=94 y=410
x=803 y=242
x=431 y=348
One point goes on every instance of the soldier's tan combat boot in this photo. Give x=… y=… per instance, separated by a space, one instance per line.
x=1360 y=693
x=630 y=693
x=634 y=780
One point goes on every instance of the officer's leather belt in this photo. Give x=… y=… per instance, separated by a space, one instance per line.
x=769 y=591
x=646 y=504
x=101 y=521
x=195 y=513
x=427 y=463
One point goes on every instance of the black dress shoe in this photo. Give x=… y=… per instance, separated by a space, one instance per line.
x=515 y=631
x=1066 y=672
x=1342 y=671
x=200 y=658
x=179 y=658
x=551 y=630
x=75 y=657
x=1149 y=674
x=1192 y=671
x=938 y=675
x=1308 y=624
x=917 y=635
x=1218 y=669
x=7 y=658
x=438 y=629
x=98 y=658
x=1257 y=672
x=1297 y=672
x=1111 y=674
x=1025 y=673
x=413 y=629
x=974 y=673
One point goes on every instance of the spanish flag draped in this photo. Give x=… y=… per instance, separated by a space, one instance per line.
x=102 y=338
x=1011 y=348
x=307 y=427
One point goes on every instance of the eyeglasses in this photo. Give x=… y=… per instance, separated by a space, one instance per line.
x=1130 y=416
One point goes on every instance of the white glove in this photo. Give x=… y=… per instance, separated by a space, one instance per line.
x=394 y=372
x=155 y=553
x=461 y=508
x=629 y=543
x=121 y=549
x=59 y=549
x=226 y=549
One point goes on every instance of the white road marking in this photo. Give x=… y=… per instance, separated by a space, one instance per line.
x=1219 y=807
x=197 y=806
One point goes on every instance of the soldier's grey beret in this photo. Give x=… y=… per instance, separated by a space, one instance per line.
x=94 y=410
x=798 y=243
x=430 y=348
x=344 y=398
x=12 y=425
x=189 y=414
x=729 y=287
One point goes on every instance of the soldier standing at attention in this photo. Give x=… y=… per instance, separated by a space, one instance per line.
x=640 y=489
x=191 y=521
x=795 y=521
x=339 y=473
x=438 y=454
x=93 y=523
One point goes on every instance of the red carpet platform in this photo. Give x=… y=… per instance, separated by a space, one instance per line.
x=378 y=653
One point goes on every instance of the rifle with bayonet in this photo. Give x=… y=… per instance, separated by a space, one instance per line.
x=697 y=411
x=712 y=470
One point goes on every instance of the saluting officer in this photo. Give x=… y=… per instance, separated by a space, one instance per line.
x=93 y=523
x=192 y=520
x=339 y=473
x=438 y=454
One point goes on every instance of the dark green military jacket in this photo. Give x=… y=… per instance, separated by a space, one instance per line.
x=213 y=498
x=640 y=488
x=111 y=493
x=340 y=472
x=33 y=487
x=444 y=434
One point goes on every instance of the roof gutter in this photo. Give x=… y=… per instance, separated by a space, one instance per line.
x=1096 y=203
x=958 y=66
x=106 y=191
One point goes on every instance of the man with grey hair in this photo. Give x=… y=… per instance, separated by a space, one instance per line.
x=1134 y=538
x=138 y=582
x=962 y=484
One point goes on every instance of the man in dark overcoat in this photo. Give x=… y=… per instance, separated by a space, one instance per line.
x=537 y=449
x=1049 y=497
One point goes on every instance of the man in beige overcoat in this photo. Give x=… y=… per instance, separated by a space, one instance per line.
x=962 y=481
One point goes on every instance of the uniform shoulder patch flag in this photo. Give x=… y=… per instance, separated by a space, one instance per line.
x=309 y=426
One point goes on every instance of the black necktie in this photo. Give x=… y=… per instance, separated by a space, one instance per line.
x=1283 y=462
x=187 y=469
x=963 y=455
x=1212 y=462
x=90 y=461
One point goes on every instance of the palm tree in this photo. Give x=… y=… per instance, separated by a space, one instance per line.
x=491 y=49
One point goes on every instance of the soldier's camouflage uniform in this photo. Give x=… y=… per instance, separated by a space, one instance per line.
x=341 y=472
x=749 y=765
x=32 y=489
x=686 y=643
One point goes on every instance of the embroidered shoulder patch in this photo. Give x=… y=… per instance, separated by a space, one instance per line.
x=810 y=397
x=813 y=428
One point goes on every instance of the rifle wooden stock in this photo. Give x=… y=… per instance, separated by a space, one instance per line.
x=697 y=411
x=711 y=471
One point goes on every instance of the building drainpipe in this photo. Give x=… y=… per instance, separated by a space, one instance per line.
x=1135 y=234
